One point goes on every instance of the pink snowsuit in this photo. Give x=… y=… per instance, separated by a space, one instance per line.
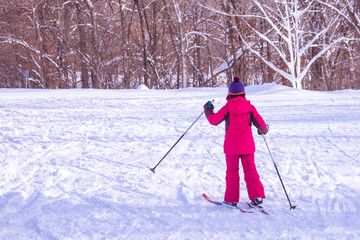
x=239 y=114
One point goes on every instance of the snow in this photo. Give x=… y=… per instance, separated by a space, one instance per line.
x=75 y=165
x=143 y=87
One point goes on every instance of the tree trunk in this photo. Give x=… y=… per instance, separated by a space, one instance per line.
x=97 y=77
x=143 y=41
x=82 y=47
x=44 y=80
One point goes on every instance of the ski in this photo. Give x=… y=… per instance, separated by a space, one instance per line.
x=220 y=203
x=259 y=208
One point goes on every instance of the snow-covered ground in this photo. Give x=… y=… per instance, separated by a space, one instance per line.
x=74 y=164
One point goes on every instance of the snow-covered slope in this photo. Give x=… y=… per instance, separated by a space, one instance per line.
x=74 y=164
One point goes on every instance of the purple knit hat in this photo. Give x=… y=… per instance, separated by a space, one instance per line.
x=236 y=87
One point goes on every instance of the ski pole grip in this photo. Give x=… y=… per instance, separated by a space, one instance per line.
x=210 y=102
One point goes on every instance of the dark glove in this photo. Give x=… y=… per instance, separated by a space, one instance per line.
x=209 y=105
x=264 y=131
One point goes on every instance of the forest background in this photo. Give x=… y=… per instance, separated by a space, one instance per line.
x=167 y=44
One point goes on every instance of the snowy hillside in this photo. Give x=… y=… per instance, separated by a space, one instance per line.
x=74 y=164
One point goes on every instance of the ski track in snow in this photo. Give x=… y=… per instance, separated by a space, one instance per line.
x=75 y=165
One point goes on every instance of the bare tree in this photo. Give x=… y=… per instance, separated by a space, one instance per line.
x=287 y=23
x=82 y=50
x=344 y=68
x=176 y=43
x=178 y=8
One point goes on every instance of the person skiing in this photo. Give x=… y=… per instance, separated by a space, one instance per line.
x=239 y=115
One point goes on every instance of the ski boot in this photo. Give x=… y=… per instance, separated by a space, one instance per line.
x=231 y=204
x=256 y=201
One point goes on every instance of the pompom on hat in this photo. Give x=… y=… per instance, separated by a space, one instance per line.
x=236 y=87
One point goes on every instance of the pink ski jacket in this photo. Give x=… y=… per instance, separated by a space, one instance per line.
x=239 y=115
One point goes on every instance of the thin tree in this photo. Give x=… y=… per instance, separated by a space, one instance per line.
x=286 y=20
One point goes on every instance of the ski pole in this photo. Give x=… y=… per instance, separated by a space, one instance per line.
x=291 y=206
x=153 y=169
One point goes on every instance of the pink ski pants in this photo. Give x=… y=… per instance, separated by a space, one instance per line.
x=252 y=179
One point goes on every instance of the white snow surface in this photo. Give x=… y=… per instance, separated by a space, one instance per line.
x=75 y=163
